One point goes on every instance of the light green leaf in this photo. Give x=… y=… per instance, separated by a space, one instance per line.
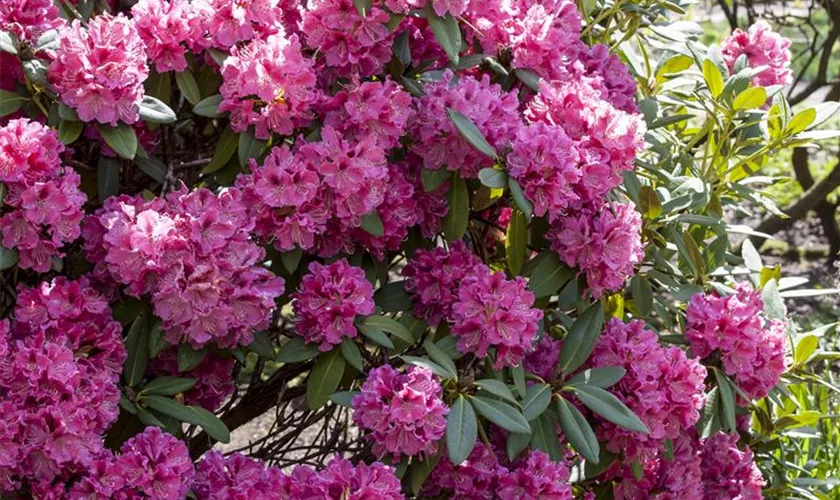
x=516 y=242
x=8 y=43
x=713 y=77
x=753 y=97
x=493 y=178
x=604 y=377
x=801 y=121
x=447 y=32
x=344 y=398
x=153 y=110
x=497 y=388
x=440 y=357
x=389 y=325
x=372 y=224
x=188 y=86
x=429 y=365
x=519 y=198
x=209 y=107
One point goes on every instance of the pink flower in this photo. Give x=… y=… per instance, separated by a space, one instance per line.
x=493 y=111
x=268 y=84
x=328 y=300
x=663 y=387
x=433 y=277
x=537 y=478
x=542 y=362
x=475 y=479
x=762 y=47
x=751 y=347
x=29 y=151
x=678 y=478
x=604 y=244
x=403 y=412
x=548 y=42
x=398 y=212
x=29 y=19
x=613 y=77
x=492 y=311
x=213 y=377
x=156 y=464
x=224 y=23
x=164 y=27
x=340 y=480
x=99 y=70
x=729 y=472
x=238 y=477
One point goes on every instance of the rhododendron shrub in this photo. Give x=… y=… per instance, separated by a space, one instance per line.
x=443 y=248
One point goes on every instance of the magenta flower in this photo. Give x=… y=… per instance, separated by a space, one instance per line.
x=157 y=464
x=403 y=412
x=543 y=360
x=29 y=151
x=224 y=23
x=213 y=377
x=238 y=477
x=537 y=478
x=432 y=278
x=268 y=84
x=729 y=472
x=341 y=480
x=547 y=40
x=492 y=311
x=398 y=212
x=29 y=19
x=99 y=70
x=477 y=478
x=612 y=76
x=165 y=29
x=762 y=47
x=328 y=301
x=678 y=478
x=751 y=347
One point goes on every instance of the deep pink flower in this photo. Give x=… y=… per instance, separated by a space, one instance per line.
x=677 y=478
x=547 y=40
x=29 y=19
x=537 y=478
x=475 y=479
x=224 y=23
x=762 y=47
x=341 y=480
x=608 y=72
x=157 y=464
x=165 y=29
x=29 y=151
x=543 y=360
x=237 y=477
x=213 y=377
x=729 y=472
x=328 y=301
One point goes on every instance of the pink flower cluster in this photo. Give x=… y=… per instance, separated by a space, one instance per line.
x=663 y=387
x=762 y=47
x=341 y=480
x=440 y=145
x=213 y=377
x=61 y=359
x=543 y=360
x=350 y=43
x=677 y=478
x=43 y=204
x=547 y=39
x=494 y=311
x=441 y=7
x=605 y=244
x=403 y=412
x=152 y=464
x=268 y=84
x=238 y=477
x=475 y=479
x=328 y=301
x=192 y=253
x=750 y=347
x=164 y=26
x=537 y=478
x=432 y=278
x=29 y=19
x=729 y=472
x=99 y=70
x=224 y=23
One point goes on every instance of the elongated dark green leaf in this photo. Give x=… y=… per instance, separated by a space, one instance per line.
x=549 y=275
x=642 y=295
x=518 y=373
x=8 y=257
x=228 y=142
x=502 y=414
x=433 y=179
x=545 y=436
x=519 y=198
x=493 y=178
x=153 y=110
x=195 y=415
x=263 y=345
x=581 y=339
x=121 y=139
x=137 y=348
x=249 y=147
x=107 y=177
x=529 y=78
x=291 y=259
x=10 y=102
x=67 y=113
x=351 y=354
x=209 y=106
x=470 y=132
x=188 y=86
x=447 y=32
x=393 y=297
x=578 y=431
x=363 y=6
x=536 y=401
x=461 y=430
x=440 y=357
x=69 y=131
x=710 y=421
x=727 y=402
x=516 y=444
x=372 y=224
x=376 y=335
x=430 y=365
x=168 y=386
x=516 y=242
x=498 y=388
x=149 y=419
x=390 y=325
x=603 y=377
x=457 y=217
x=324 y=378
x=608 y=406
x=344 y=398
x=151 y=166
x=189 y=358
x=296 y=350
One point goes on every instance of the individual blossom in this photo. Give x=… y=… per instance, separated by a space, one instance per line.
x=432 y=278
x=164 y=27
x=762 y=47
x=268 y=84
x=544 y=161
x=213 y=378
x=329 y=299
x=492 y=311
x=403 y=412
x=99 y=70
x=439 y=143
x=537 y=478
x=350 y=44
x=729 y=472
x=604 y=244
x=676 y=478
x=238 y=477
x=474 y=479
x=661 y=386
x=341 y=480
x=222 y=24
x=29 y=19
x=734 y=328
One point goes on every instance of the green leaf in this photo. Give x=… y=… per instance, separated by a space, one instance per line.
x=195 y=415
x=529 y=78
x=344 y=398
x=433 y=179
x=7 y=43
x=189 y=358
x=372 y=224
x=121 y=139
x=149 y=419
x=420 y=470
x=157 y=342
x=710 y=420
x=501 y=414
x=713 y=77
x=324 y=378
x=461 y=430
x=67 y=113
x=493 y=178
x=389 y=325
x=642 y=294
x=457 y=217
x=296 y=351
x=608 y=406
x=774 y=305
x=583 y=334
x=753 y=97
x=376 y=335
x=447 y=32
x=578 y=431
x=497 y=388
x=393 y=297
x=518 y=373
x=188 y=86
x=35 y=71
x=107 y=177
x=519 y=198
x=801 y=121
x=430 y=365
x=48 y=40
x=249 y=147
x=516 y=242
x=150 y=166
x=153 y=110
x=536 y=400
x=69 y=131
x=137 y=348
x=470 y=132
x=805 y=348
x=604 y=377
x=228 y=142
x=291 y=259
x=8 y=257
x=209 y=107
x=727 y=401
x=263 y=346
x=351 y=354
x=649 y=203
x=440 y=357
x=549 y=275
x=363 y=6
x=545 y=436
x=516 y=444
x=168 y=386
